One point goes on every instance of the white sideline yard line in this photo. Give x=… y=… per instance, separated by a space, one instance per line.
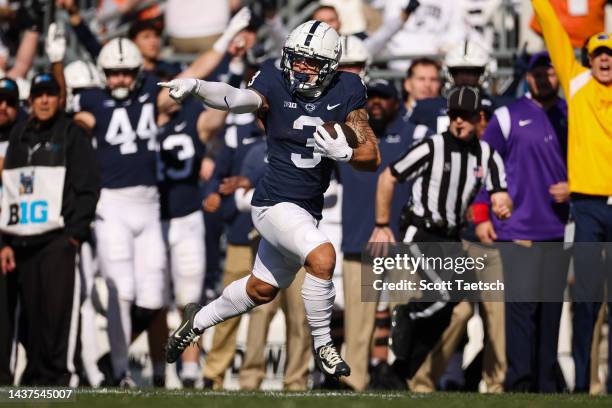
x=239 y=394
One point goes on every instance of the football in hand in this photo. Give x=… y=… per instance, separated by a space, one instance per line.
x=351 y=136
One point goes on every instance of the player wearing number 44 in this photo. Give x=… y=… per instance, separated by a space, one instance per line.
x=131 y=250
x=292 y=102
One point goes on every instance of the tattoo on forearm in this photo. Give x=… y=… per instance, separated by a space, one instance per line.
x=358 y=121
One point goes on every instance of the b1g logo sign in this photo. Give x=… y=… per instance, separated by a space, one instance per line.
x=26 y=212
x=34 y=212
x=32 y=199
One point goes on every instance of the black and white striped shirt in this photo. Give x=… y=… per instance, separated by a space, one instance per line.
x=448 y=174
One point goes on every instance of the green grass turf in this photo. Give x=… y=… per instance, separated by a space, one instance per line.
x=149 y=398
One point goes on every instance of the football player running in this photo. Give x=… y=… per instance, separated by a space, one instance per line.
x=291 y=103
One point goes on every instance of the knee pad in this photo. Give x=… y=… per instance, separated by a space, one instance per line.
x=187 y=271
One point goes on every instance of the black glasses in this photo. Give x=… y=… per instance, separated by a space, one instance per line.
x=465 y=115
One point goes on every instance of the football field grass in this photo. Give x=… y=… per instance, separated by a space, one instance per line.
x=149 y=398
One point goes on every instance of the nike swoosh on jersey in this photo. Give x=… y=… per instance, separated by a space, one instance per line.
x=332 y=107
x=524 y=122
x=143 y=98
x=249 y=140
x=180 y=126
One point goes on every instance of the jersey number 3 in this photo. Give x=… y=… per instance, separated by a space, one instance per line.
x=297 y=159
x=120 y=131
x=186 y=152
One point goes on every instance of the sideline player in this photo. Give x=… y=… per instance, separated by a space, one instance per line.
x=128 y=229
x=291 y=102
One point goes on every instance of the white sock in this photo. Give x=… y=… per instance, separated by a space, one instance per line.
x=190 y=370
x=318 y=297
x=233 y=301
x=89 y=344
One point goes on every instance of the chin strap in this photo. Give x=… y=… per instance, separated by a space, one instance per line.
x=298 y=78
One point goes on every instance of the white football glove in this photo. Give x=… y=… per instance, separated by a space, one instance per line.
x=55 y=44
x=336 y=149
x=239 y=22
x=180 y=88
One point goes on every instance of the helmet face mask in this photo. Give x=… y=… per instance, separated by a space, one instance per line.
x=314 y=45
x=467 y=76
x=303 y=81
x=465 y=60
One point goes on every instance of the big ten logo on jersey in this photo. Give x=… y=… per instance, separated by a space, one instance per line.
x=120 y=131
x=27 y=211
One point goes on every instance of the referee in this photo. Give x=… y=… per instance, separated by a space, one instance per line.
x=447 y=171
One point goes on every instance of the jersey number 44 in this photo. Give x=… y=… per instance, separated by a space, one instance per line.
x=120 y=131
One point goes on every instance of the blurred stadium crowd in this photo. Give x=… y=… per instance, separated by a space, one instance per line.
x=192 y=233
